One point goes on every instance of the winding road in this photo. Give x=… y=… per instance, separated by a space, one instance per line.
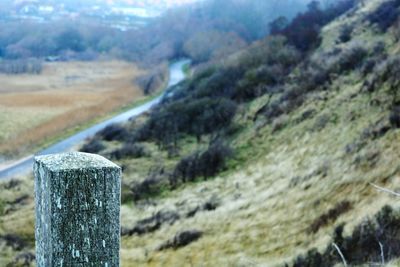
x=24 y=166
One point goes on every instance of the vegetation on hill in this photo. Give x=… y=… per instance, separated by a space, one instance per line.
x=202 y=31
x=266 y=157
x=197 y=123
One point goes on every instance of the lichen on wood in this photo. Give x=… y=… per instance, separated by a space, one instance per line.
x=77 y=197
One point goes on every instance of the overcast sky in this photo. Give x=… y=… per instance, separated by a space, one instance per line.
x=150 y=2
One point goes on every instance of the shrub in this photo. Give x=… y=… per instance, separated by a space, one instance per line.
x=345 y=33
x=278 y=25
x=150 y=187
x=386 y=72
x=304 y=30
x=368 y=66
x=126 y=194
x=181 y=239
x=114 y=132
x=379 y=49
x=336 y=62
x=93 y=146
x=291 y=98
x=22 y=259
x=202 y=74
x=313 y=74
x=153 y=185
x=394 y=117
x=339 y=8
x=330 y=216
x=257 y=81
x=197 y=117
x=206 y=164
x=324 y=67
x=152 y=81
x=351 y=58
x=385 y=15
x=396 y=30
x=153 y=223
x=129 y=151
x=265 y=66
x=312 y=259
x=262 y=68
x=209 y=115
x=162 y=127
x=212 y=44
x=321 y=122
x=14 y=241
x=186 y=170
x=214 y=158
x=363 y=246
x=269 y=51
x=2 y=207
x=219 y=84
x=313 y=77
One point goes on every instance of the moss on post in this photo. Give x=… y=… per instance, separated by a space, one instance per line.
x=77 y=197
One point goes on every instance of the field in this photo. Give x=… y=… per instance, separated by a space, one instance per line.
x=36 y=108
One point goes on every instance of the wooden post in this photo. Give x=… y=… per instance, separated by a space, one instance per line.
x=77 y=197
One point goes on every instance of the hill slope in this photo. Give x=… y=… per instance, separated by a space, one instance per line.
x=307 y=147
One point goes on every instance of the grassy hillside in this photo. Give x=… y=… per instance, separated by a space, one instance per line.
x=264 y=159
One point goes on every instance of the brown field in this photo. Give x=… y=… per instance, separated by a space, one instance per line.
x=35 y=108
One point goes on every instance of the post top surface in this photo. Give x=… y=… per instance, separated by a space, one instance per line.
x=74 y=161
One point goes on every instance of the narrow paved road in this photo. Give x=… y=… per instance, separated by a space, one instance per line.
x=24 y=166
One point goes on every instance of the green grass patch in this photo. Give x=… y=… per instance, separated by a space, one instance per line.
x=2 y=207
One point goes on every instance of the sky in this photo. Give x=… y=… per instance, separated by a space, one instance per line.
x=161 y=3
x=151 y=2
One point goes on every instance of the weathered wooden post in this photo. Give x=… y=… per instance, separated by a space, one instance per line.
x=77 y=197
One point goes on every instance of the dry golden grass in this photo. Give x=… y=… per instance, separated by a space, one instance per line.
x=16 y=202
x=37 y=107
x=263 y=219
